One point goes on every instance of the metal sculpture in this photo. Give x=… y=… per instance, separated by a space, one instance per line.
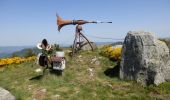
x=79 y=36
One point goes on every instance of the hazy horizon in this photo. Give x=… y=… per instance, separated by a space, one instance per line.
x=62 y=45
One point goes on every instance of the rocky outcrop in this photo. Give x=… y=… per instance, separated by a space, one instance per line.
x=145 y=59
x=6 y=95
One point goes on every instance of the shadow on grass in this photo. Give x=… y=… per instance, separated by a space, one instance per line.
x=37 y=77
x=56 y=72
x=113 y=72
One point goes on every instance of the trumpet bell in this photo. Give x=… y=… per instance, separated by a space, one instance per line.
x=61 y=22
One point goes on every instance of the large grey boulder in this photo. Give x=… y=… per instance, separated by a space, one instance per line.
x=6 y=95
x=145 y=59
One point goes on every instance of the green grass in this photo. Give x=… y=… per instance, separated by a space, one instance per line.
x=76 y=82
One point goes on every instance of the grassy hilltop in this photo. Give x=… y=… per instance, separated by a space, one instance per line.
x=88 y=76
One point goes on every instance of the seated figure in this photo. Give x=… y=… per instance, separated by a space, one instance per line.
x=50 y=56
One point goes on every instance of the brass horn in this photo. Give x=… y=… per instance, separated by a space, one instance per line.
x=61 y=22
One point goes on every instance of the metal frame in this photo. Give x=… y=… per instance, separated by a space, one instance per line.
x=79 y=37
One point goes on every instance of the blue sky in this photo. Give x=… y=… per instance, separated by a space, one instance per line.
x=27 y=22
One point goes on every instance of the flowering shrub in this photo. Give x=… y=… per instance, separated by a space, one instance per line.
x=113 y=53
x=15 y=60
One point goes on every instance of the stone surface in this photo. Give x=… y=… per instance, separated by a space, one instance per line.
x=6 y=95
x=145 y=59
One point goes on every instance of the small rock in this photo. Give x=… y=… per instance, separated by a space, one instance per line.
x=55 y=97
x=90 y=70
x=43 y=90
x=94 y=59
x=6 y=95
x=97 y=63
x=100 y=57
x=30 y=87
x=77 y=92
x=80 y=56
x=16 y=82
x=39 y=94
x=38 y=70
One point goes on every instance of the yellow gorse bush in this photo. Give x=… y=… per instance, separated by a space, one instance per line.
x=15 y=60
x=113 y=53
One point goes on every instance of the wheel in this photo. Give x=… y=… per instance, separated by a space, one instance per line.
x=42 y=60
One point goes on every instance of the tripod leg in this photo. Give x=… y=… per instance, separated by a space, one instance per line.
x=74 y=45
x=87 y=41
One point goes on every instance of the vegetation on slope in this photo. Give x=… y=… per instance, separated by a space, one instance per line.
x=87 y=76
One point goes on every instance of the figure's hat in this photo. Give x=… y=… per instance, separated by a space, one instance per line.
x=39 y=46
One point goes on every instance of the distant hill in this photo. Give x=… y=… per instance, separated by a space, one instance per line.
x=97 y=43
x=168 y=38
x=103 y=43
x=11 y=49
x=4 y=55
x=22 y=52
x=117 y=43
x=6 y=51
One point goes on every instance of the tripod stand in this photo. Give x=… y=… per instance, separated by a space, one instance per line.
x=79 y=39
